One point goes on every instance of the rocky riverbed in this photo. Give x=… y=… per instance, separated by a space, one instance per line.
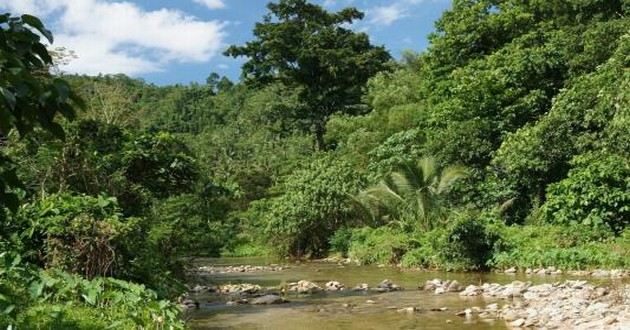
x=553 y=301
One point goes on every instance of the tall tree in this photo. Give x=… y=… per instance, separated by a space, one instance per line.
x=308 y=48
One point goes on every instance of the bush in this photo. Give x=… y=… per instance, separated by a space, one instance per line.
x=469 y=242
x=382 y=245
x=596 y=193
x=34 y=299
x=566 y=247
x=80 y=234
x=340 y=241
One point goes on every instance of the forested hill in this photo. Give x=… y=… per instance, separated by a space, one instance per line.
x=505 y=143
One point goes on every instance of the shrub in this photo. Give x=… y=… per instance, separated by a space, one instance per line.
x=340 y=241
x=566 y=247
x=596 y=193
x=34 y=299
x=378 y=245
x=314 y=204
x=81 y=234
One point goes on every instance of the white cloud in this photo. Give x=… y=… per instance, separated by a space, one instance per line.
x=329 y=3
x=120 y=37
x=386 y=15
x=212 y=4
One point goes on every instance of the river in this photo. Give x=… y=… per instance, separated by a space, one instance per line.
x=346 y=309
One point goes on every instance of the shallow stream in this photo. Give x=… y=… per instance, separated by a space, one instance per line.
x=346 y=309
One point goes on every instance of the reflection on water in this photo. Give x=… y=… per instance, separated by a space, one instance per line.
x=347 y=309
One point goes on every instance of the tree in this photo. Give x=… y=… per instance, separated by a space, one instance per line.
x=29 y=95
x=414 y=192
x=308 y=48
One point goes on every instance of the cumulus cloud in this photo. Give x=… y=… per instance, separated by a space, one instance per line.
x=212 y=4
x=121 y=37
x=386 y=15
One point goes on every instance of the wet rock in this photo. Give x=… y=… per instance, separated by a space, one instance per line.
x=518 y=323
x=471 y=290
x=202 y=289
x=245 y=288
x=408 y=310
x=269 y=299
x=334 y=286
x=206 y=270
x=454 y=286
x=371 y=302
x=439 y=287
x=304 y=287
x=510 y=270
x=189 y=304
x=237 y=302
x=441 y=309
x=387 y=286
x=361 y=287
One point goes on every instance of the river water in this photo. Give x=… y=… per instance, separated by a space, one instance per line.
x=346 y=309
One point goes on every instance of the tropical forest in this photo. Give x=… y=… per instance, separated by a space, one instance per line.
x=480 y=183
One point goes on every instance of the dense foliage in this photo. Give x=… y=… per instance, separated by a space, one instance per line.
x=505 y=143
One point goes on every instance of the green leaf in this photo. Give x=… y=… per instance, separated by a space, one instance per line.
x=38 y=25
x=9 y=97
x=36 y=288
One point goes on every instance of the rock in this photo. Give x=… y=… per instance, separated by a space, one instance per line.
x=371 y=302
x=471 y=290
x=441 y=309
x=334 y=286
x=304 y=287
x=511 y=270
x=601 y=291
x=431 y=285
x=387 y=286
x=528 y=271
x=407 y=310
x=518 y=323
x=200 y=289
x=190 y=304
x=270 y=299
x=492 y=307
x=439 y=291
x=361 y=287
x=449 y=321
x=244 y=288
x=600 y=273
x=454 y=286
x=237 y=302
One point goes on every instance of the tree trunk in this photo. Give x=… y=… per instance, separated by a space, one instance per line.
x=318 y=131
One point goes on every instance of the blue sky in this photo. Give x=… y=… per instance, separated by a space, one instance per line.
x=168 y=42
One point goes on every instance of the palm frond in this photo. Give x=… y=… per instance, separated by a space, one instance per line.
x=428 y=166
x=449 y=176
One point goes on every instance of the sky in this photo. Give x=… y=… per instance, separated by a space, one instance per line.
x=182 y=41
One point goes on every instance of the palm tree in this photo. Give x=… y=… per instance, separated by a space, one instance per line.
x=415 y=191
